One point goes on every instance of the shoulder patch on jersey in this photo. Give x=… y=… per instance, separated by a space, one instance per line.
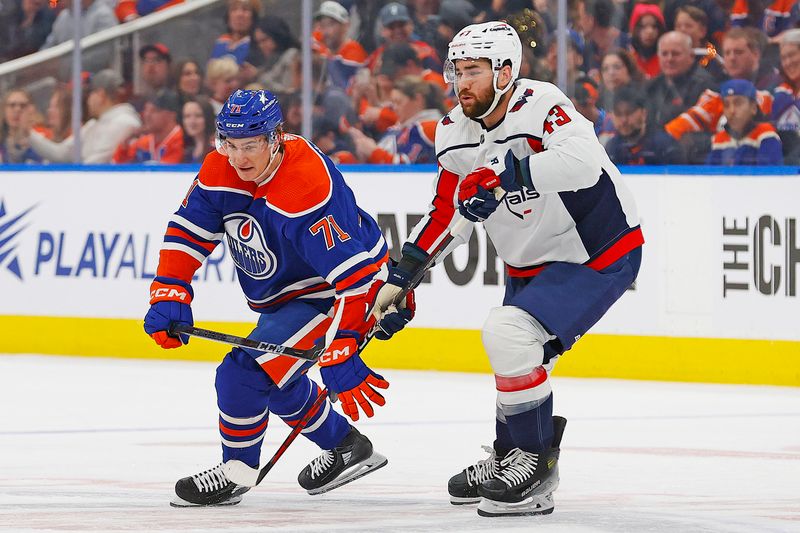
x=521 y=101
x=446 y=120
x=216 y=172
x=303 y=182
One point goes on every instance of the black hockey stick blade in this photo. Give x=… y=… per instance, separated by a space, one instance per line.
x=311 y=354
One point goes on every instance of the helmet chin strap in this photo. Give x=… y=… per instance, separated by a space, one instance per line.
x=272 y=165
x=498 y=93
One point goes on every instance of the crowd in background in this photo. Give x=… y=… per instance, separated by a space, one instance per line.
x=674 y=82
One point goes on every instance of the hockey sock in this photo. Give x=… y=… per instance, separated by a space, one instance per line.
x=326 y=428
x=503 y=443
x=532 y=429
x=243 y=391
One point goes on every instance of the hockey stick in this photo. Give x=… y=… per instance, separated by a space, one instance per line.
x=311 y=354
x=241 y=474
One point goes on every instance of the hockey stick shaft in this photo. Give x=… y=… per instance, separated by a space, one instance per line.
x=323 y=394
x=311 y=354
x=430 y=262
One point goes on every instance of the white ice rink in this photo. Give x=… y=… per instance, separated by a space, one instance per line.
x=97 y=445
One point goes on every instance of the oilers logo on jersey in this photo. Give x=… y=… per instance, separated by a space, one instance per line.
x=248 y=246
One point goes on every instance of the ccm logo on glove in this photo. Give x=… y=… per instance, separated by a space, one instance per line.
x=168 y=294
x=339 y=351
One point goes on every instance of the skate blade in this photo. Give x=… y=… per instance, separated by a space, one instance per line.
x=353 y=472
x=457 y=500
x=180 y=502
x=540 y=505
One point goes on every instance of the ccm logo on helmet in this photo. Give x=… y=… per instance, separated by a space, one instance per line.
x=164 y=292
x=233 y=125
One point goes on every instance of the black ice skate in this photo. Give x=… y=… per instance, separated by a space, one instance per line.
x=352 y=459
x=209 y=488
x=526 y=481
x=463 y=487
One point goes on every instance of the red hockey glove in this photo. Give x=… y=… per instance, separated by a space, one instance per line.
x=344 y=373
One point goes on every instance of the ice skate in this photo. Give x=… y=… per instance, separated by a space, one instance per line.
x=526 y=481
x=463 y=487
x=209 y=488
x=352 y=459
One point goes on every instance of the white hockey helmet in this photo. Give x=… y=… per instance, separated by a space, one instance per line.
x=496 y=41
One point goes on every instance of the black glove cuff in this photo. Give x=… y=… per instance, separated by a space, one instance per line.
x=413 y=256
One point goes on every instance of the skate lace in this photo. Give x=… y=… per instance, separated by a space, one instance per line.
x=482 y=470
x=211 y=480
x=321 y=463
x=517 y=466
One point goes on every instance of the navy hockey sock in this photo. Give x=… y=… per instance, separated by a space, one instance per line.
x=532 y=430
x=326 y=429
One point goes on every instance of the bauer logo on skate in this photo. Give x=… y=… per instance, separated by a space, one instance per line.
x=248 y=246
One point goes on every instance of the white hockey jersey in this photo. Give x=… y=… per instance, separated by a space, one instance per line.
x=579 y=211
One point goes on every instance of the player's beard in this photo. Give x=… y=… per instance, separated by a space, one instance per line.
x=480 y=104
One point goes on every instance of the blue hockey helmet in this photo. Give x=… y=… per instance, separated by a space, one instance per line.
x=250 y=114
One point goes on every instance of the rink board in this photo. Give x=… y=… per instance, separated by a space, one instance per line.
x=716 y=299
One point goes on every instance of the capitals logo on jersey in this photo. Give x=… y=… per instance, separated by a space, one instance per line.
x=515 y=201
x=521 y=101
x=248 y=246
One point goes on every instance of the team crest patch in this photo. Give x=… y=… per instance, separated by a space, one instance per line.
x=446 y=121
x=248 y=246
x=522 y=101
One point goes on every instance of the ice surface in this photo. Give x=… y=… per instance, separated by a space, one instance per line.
x=97 y=445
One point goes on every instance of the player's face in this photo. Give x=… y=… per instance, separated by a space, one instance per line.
x=474 y=85
x=249 y=157
x=739 y=111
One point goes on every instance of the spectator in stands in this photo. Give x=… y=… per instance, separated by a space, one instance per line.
x=646 y=27
x=275 y=60
x=331 y=104
x=617 y=70
x=585 y=98
x=746 y=139
x=28 y=30
x=419 y=108
x=241 y=18
x=19 y=116
x=596 y=20
x=189 y=79
x=344 y=56
x=680 y=83
x=425 y=16
x=221 y=80
x=401 y=60
x=693 y=22
x=771 y=17
x=786 y=107
x=292 y=108
x=155 y=68
x=127 y=10
x=633 y=143
x=198 y=124
x=111 y=120
x=695 y=126
x=96 y=15
x=161 y=141
x=453 y=16
x=575 y=49
x=397 y=27
x=717 y=19
x=370 y=98
x=742 y=55
x=59 y=114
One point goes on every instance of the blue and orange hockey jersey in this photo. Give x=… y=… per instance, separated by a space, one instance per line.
x=300 y=234
x=761 y=146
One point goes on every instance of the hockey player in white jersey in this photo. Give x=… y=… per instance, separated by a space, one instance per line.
x=517 y=156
